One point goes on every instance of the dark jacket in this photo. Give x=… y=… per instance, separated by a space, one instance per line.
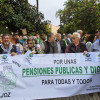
x=63 y=46
x=50 y=47
x=12 y=50
x=76 y=49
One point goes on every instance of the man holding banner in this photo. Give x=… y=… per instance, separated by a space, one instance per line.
x=76 y=46
x=7 y=47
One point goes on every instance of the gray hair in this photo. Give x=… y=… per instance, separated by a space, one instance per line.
x=25 y=37
x=69 y=35
x=79 y=31
x=76 y=33
x=58 y=34
x=6 y=35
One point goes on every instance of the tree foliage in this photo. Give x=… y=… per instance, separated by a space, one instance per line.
x=80 y=14
x=19 y=14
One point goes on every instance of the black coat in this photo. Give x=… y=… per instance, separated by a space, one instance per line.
x=12 y=50
x=72 y=48
x=50 y=47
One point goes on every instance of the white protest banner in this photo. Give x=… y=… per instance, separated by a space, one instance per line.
x=41 y=76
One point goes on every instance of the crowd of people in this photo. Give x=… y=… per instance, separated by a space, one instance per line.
x=47 y=44
x=50 y=43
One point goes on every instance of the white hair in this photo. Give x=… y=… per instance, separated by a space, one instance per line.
x=25 y=37
x=76 y=33
x=79 y=31
x=58 y=34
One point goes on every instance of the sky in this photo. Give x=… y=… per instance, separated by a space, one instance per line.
x=49 y=9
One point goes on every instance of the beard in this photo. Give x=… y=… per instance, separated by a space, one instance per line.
x=7 y=43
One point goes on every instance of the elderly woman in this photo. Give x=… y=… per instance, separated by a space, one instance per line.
x=31 y=45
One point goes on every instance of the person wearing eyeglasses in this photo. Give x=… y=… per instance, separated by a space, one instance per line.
x=76 y=46
x=31 y=45
x=7 y=47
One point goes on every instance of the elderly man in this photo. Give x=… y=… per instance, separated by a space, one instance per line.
x=60 y=43
x=7 y=47
x=80 y=32
x=76 y=46
x=69 y=37
x=50 y=46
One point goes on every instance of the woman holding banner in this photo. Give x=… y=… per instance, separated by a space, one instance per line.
x=32 y=46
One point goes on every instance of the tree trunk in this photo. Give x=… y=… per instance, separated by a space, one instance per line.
x=26 y=2
x=37 y=3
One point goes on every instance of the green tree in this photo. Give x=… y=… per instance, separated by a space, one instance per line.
x=80 y=14
x=19 y=14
